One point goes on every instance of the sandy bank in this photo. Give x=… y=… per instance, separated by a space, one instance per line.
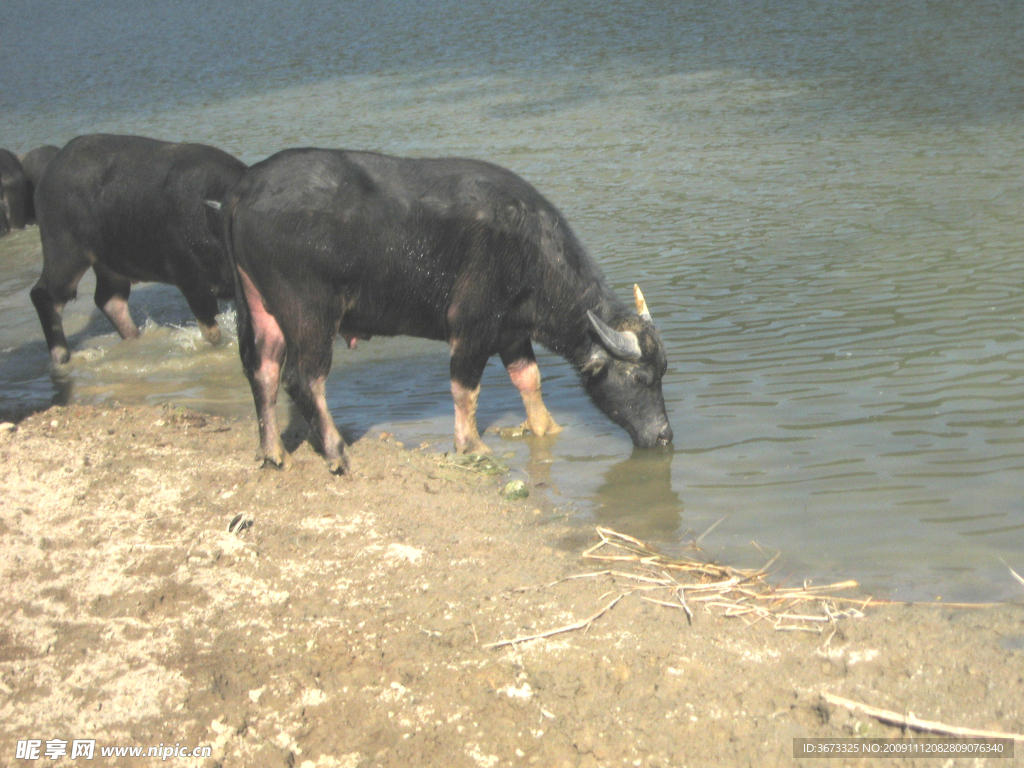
x=346 y=621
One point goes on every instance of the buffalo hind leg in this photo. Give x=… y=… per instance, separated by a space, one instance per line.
x=309 y=395
x=111 y=297
x=522 y=368
x=263 y=349
x=51 y=293
x=466 y=372
x=51 y=317
x=305 y=380
x=64 y=263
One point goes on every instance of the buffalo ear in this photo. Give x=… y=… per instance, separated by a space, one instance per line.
x=596 y=363
x=621 y=344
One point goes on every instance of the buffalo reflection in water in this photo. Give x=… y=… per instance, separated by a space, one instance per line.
x=637 y=498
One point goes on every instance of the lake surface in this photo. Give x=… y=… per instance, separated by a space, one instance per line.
x=823 y=202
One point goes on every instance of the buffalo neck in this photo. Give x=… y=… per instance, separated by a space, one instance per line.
x=563 y=327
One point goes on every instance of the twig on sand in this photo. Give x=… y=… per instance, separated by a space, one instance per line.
x=573 y=577
x=667 y=604
x=568 y=628
x=681 y=597
x=916 y=724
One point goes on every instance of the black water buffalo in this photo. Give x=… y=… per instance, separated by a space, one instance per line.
x=132 y=209
x=13 y=192
x=34 y=164
x=327 y=242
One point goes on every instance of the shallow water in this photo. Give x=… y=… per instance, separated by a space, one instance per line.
x=822 y=203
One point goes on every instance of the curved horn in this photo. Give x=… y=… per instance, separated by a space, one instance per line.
x=621 y=344
x=641 y=305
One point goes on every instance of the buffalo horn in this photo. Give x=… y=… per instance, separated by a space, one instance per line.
x=641 y=305
x=623 y=345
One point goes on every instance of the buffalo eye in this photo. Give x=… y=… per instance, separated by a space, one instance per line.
x=642 y=378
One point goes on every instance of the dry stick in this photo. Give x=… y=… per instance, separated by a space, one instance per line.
x=637 y=577
x=538 y=587
x=568 y=628
x=801 y=617
x=1016 y=575
x=682 y=600
x=456 y=466
x=708 y=530
x=677 y=606
x=608 y=533
x=850 y=584
x=812 y=630
x=770 y=563
x=915 y=724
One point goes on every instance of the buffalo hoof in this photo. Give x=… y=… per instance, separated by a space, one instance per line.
x=475 y=445
x=338 y=466
x=60 y=355
x=274 y=464
x=278 y=459
x=546 y=426
x=211 y=333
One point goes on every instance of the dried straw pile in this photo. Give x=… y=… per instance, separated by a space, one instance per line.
x=685 y=584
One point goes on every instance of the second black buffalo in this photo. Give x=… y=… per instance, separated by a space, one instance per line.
x=132 y=209
x=13 y=193
x=328 y=241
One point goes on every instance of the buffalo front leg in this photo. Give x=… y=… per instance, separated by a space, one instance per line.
x=203 y=303
x=111 y=297
x=263 y=349
x=522 y=368
x=466 y=372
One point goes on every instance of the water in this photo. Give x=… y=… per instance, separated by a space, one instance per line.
x=821 y=201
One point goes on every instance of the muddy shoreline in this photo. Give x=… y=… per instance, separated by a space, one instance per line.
x=347 y=621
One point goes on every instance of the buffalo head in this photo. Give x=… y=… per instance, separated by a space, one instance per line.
x=622 y=374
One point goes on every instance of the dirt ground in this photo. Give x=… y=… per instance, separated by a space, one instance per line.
x=346 y=621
